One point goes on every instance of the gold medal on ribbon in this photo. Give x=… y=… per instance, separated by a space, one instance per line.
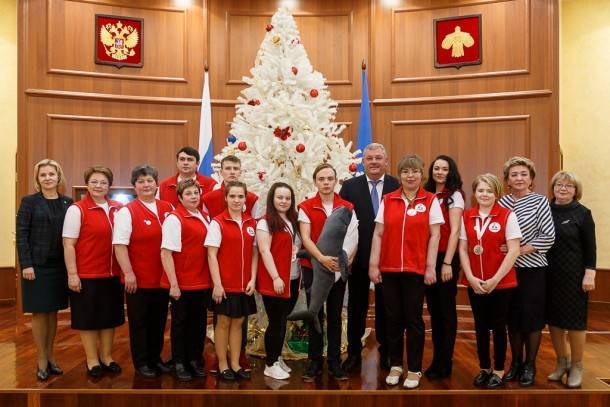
x=478 y=250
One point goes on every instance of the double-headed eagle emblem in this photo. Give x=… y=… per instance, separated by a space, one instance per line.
x=119 y=42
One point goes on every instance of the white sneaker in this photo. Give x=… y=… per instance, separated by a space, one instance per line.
x=276 y=372
x=283 y=365
x=394 y=376
x=412 y=380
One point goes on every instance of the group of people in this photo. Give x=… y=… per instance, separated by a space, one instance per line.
x=197 y=246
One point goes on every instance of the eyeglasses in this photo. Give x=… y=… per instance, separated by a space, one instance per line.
x=100 y=183
x=566 y=186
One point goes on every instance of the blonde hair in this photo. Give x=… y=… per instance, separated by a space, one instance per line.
x=47 y=162
x=491 y=180
x=571 y=177
x=517 y=160
x=412 y=161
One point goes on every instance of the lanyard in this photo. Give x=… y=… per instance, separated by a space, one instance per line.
x=481 y=230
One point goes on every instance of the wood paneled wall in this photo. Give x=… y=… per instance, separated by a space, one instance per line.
x=81 y=113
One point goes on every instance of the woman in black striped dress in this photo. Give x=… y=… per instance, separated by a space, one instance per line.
x=526 y=317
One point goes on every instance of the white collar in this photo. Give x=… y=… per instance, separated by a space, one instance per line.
x=368 y=180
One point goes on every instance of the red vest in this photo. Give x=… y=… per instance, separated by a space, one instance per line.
x=404 y=244
x=145 y=242
x=281 y=252
x=486 y=265
x=94 y=253
x=167 y=188
x=216 y=204
x=191 y=263
x=443 y=198
x=314 y=209
x=235 y=251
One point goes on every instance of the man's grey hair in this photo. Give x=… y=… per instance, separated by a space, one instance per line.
x=374 y=146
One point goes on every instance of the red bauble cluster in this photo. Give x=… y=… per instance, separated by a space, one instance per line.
x=353 y=167
x=300 y=148
x=283 y=134
x=242 y=146
x=261 y=175
x=313 y=93
x=269 y=27
x=254 y=102
x=295 y=70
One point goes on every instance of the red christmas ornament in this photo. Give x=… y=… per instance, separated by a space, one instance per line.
x=257 y=102
x=313 y=93
x=261 y=175
x=284 y=137
x=295 y=70
x=353 y=167
x=269 y=27
x=300 y=148
x=288 y=133
x=242 y=145
x=277 y=132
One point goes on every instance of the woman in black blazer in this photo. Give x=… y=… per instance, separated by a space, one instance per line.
x=44 y=285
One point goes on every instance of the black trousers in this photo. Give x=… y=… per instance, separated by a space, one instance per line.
x=440 y=298
x=277 y=310
x=334 y=307
x=147 y=314
x=403 y=294
x=357 y=310
x=490 y=312
x=189 y=320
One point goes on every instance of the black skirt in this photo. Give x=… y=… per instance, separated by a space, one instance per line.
x=99 y=305
x=236 y=305
x=48 y=292
x=528 y=302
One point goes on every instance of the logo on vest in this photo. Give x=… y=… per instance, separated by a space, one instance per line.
x=250 y=230
x=420 y=208
x=494 y=227
x=411 y=212
x=147 y=222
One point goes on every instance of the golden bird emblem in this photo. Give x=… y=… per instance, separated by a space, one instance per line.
x=457 y=40
x=119 y=42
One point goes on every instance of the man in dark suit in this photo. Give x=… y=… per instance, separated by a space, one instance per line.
x=365 y=193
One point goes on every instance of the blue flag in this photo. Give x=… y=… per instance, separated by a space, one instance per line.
x=364 y=123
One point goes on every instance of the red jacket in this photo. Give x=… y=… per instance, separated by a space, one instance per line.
x=281 y=252
x=486 y=265
x=145 y=242
x=314 y=209
x=404 y=244
x=94 y=252
x=235 y=251
x=167 y=188
x=215 y=202
x=191 y=263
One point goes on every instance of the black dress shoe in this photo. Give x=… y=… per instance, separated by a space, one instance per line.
x=242 y=374
x=351 y=364
x=42 y=374
x=226 y=374
x=163 y=367
x=481 y=379
x=54 y=369
x=197 y=369
x=494 y=381
x=96 y=371
x=314 y=369
x=146 y=372
x=513 y=372
x=337 y=373
x=181 y=373
x=528 y=375
x=112 y=367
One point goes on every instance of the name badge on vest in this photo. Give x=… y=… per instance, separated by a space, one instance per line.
x=411 y=212
x=147 y=222
x=421 y=208
x=250 y=230
x=495 y=227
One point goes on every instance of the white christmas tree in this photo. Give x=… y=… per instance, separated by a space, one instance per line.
x=284 y=124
